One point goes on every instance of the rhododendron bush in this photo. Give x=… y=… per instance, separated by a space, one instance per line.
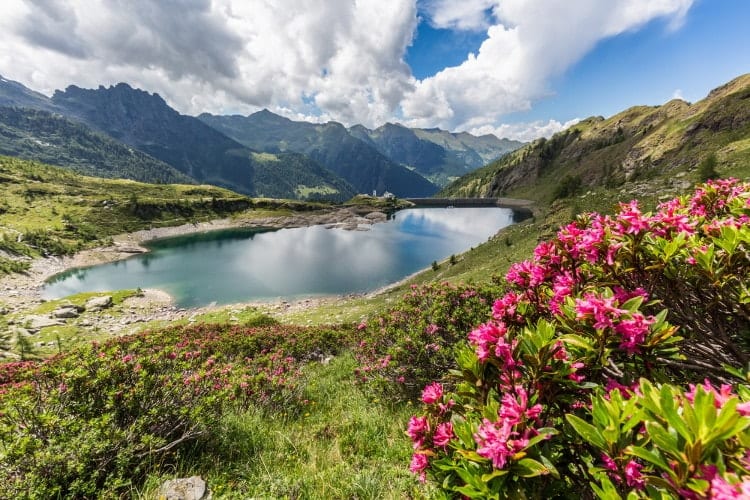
x=99 y=418
x=588 y=378
x=413 y=342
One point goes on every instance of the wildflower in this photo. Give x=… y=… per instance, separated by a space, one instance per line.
x=576 y=377
x=601 y=309
x=630 y=220
x=515 y=408
x=432 y=393
x=633 y=477
x=609 y=464
x=443 y=434
x=633 y=332
x=418 y=465
x=418 y=427
x=484 y=336
x=493 y=440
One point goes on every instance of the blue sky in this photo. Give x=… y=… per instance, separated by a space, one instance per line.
x=649 y=65
x=516 y=68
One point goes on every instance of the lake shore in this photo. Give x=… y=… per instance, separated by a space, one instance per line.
x=23 y=292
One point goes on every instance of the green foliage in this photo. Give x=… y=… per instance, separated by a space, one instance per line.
x=414 y=341
x=49 y=137
x=10 y=266
x=707 y=168
x=98 y=419
x=649 y=144
x=47 y=243
x=547 y=400
x=569 y=186
x=662 y=440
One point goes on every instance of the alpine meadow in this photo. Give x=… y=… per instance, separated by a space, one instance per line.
x=216 y=154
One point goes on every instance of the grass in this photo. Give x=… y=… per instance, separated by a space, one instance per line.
x=346 y=444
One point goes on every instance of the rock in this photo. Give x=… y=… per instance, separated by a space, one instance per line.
x=376 y=216
x=191 y=488
x=99 y=303
x=130 y=249
x=66 y=312
x=35 y=323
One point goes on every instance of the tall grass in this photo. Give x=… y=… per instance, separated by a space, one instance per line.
x=347 y=443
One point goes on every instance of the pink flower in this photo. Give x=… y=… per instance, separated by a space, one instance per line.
x=561 y=354
x=514 y=409
x=418 y=465
x=504 y=309
x=431 y=328
x=633 y=332
x=127 y=358
x=720 y=397
x=504 y=352
x=601 y=309
x=576 y=377
x=418 y=427
x=721 y=489
x=432 y=393
x=362 y=325
x=484 y=336
x=630 y=219
x=609 y=464
x=493 y=440
x=562 y=287
x=633 y=477
x=443 y=434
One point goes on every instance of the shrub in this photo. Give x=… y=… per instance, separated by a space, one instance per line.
x=99 y=418
x=413 y=343
x=573 y=384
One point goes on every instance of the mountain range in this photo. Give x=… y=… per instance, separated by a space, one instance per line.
x=120 y=131
x=642 y=142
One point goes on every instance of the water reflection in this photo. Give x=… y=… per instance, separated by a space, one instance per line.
x=237 y=265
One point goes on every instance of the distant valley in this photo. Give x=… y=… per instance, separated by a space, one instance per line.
x=122 y=132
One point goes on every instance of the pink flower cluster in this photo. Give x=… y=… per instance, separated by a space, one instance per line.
x=631 y=472
x=504 y=438
x=420 y=432
x=721 y=396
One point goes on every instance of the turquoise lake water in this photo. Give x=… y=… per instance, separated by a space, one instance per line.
x=240 y=265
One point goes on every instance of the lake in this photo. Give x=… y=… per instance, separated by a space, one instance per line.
x=239 y=265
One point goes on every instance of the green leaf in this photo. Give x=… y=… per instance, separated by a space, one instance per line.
x=587 y=431
x=651 y=458
x=528 y=467
x=633 y=304
x=577 y=341
x=662 y=438
x=492 y=475
x=669 y=411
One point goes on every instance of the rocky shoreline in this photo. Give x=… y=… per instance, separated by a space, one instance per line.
x=22 y=293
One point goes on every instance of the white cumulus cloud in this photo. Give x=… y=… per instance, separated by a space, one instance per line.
x=324 y=59
x=528 y=43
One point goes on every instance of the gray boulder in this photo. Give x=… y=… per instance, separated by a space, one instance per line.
x=99 y=303
x=67 y=312
x=191 y=488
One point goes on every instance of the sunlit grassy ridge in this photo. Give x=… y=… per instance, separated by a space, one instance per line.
x=48 y=210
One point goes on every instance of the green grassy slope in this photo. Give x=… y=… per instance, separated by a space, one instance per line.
x=51 y=138
x=643 y=142
x=51 y=210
